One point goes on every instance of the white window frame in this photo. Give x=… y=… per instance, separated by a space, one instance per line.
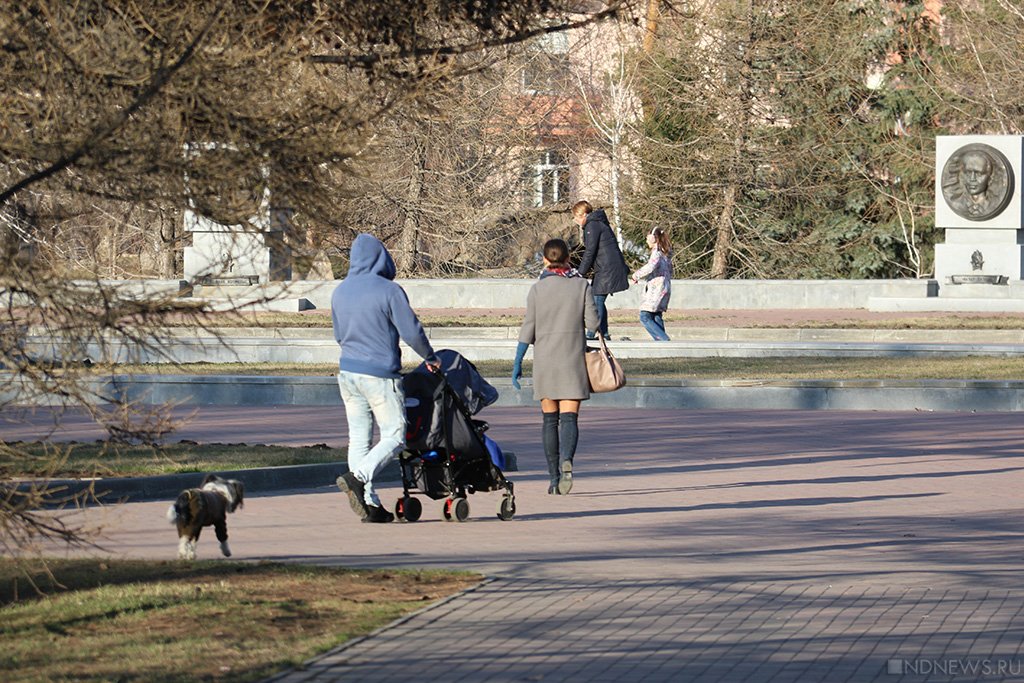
x=552 y=166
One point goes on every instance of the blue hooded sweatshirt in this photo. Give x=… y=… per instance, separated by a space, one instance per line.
x=370 y=313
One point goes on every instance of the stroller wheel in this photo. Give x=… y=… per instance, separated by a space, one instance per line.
x=408 y=508
x=456 y=509
x=506 y=508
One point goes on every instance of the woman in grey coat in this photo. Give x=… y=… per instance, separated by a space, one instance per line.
x=559 y=310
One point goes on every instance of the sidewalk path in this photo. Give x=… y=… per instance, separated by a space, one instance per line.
x=696 y=546
x=682 y=631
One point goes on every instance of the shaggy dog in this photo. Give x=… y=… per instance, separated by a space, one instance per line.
x=207 y=505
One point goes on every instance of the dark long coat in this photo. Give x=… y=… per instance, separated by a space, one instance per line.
x=601 y=252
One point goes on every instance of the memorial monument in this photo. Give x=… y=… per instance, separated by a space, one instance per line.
x=224 y=252
x=235 y=254
x=978 y=203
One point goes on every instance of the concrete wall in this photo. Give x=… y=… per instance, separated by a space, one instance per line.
x=499 y=344
x=938 y=395
x=686 y=294
x=511 y=293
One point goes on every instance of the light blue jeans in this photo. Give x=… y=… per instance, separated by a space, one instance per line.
x=368 y=399
x=654 y=324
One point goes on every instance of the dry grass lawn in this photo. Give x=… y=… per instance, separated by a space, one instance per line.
x=168 y=622
x=907 y=367
x=106 y=459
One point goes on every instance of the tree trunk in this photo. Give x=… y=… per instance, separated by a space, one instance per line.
x=408 y=247
x=170 y=236
x=724 y=234
x=725 y=230
x=653 y=14
x=616 y=202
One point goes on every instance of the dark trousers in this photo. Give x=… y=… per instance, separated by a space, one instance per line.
x=602 y=314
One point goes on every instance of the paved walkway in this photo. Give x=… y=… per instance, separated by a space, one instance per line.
x=696 y=546
x=671 y=631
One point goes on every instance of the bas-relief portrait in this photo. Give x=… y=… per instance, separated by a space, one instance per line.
x=977 y=182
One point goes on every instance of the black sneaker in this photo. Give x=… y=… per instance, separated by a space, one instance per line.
x=565 y=481
x=378 y=515
x=349 y=484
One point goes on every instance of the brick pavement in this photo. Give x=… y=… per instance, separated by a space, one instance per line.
x=697 y=545
x=625 y=630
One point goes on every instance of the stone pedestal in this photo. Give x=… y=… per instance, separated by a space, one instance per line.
x=978 y=203
x=980 y=252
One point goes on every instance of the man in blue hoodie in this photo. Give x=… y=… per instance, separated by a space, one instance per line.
x=370 y=313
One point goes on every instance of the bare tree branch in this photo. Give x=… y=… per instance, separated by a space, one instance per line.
x=159 y=79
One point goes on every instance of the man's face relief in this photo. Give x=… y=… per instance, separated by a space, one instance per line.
x=976 y=174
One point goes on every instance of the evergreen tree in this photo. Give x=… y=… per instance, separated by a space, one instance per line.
x=793 y=139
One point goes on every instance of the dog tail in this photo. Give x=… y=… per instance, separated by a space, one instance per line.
x=180 y=511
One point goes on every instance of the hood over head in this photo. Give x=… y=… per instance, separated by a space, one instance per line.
x=369 y=256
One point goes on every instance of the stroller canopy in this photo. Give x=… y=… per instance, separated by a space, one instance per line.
x=475 y=392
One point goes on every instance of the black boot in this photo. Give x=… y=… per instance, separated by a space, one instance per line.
x=378 y=515
x=550 y=435
x=569 y=434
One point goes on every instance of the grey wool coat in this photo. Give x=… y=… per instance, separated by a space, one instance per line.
x=559 y=310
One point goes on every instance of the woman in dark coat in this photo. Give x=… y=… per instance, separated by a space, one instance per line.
x=559 y=308
x=600 y=252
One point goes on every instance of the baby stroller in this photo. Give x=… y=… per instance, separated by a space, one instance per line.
x=447 y=455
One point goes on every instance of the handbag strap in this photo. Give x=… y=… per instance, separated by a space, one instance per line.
x=607 y=355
